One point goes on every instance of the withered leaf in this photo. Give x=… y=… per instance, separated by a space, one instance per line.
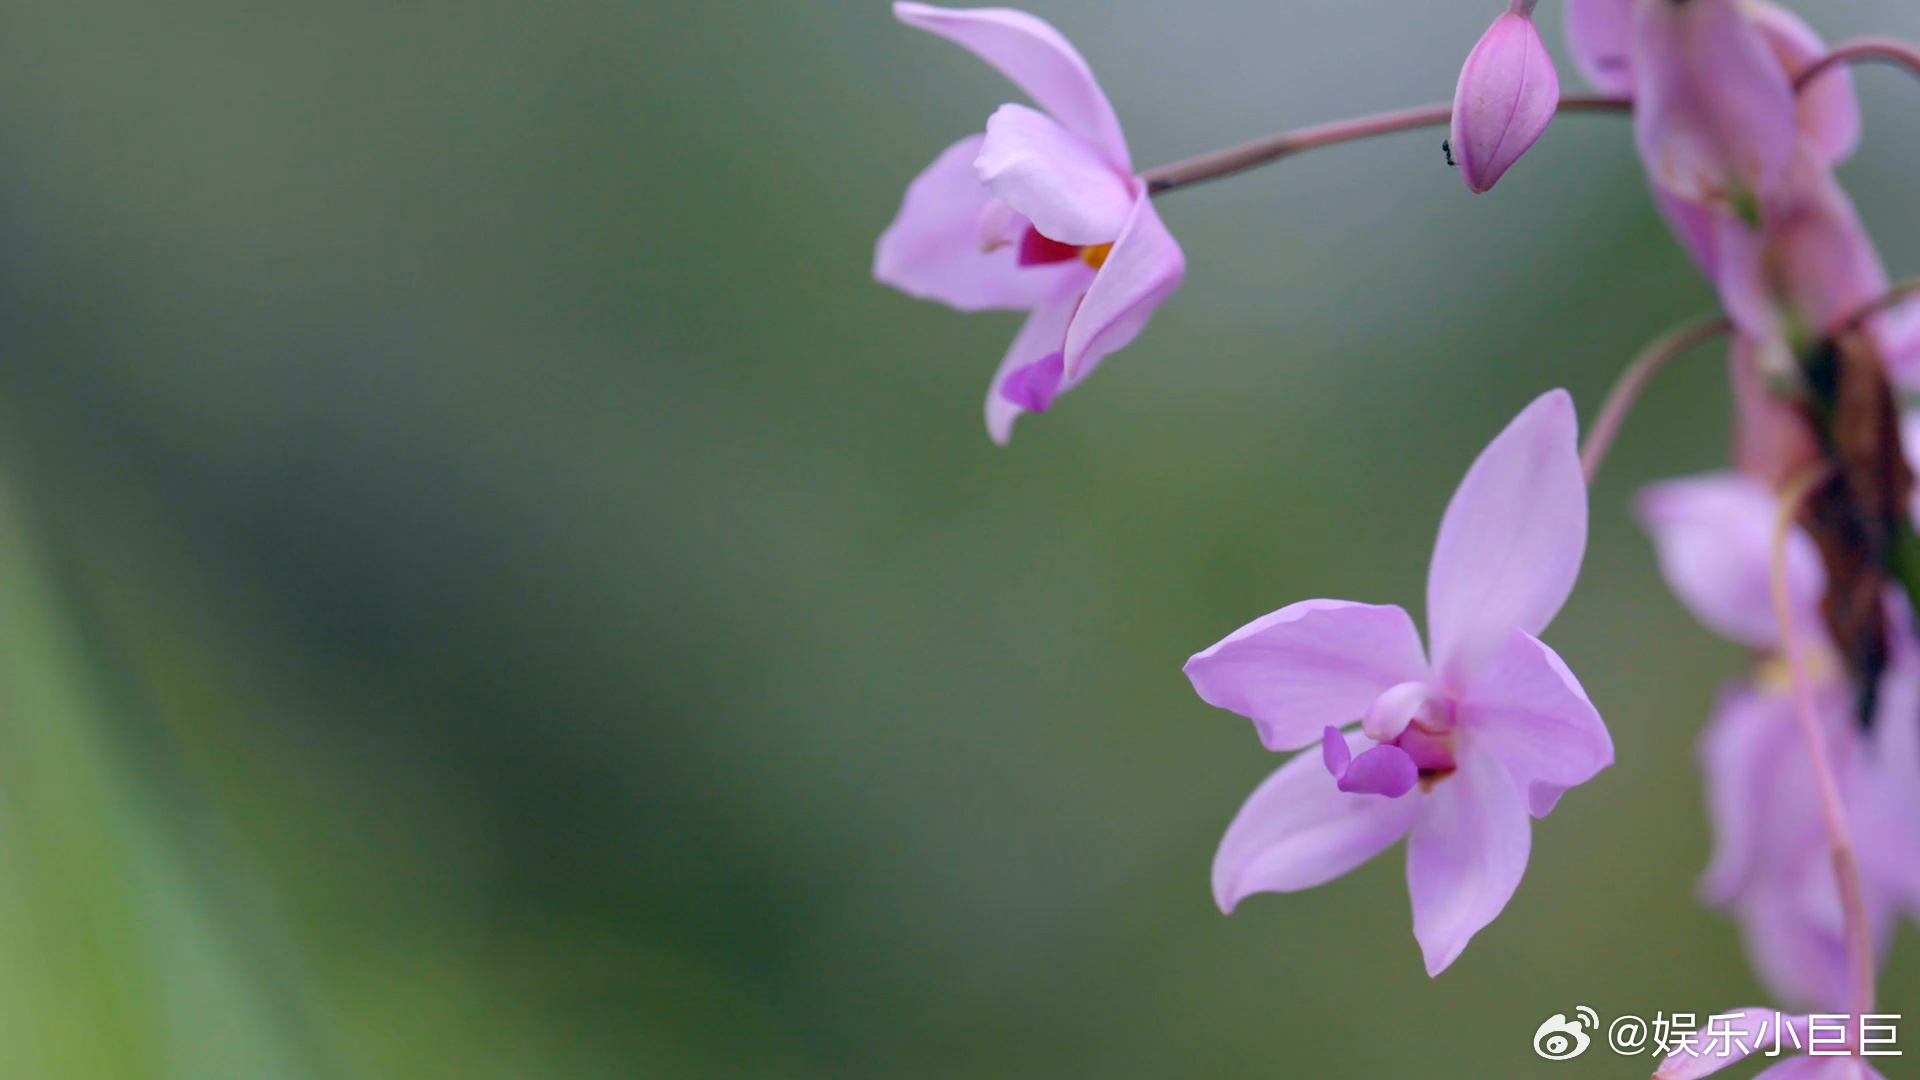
x=1858 y=515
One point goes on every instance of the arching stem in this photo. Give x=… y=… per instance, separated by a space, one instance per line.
x=1883 y=50
x=1274 y=147
x=1833 y=815
x=1892 y=298
x=1626 y=389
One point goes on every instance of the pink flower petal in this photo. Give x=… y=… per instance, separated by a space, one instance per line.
x=1829 y=112
x=1599 y=36
x=1532 y=714
x=1044 y=332
x=1394 y=709
x=1054 y=177
x=1820 y=1068
x=1740 y=751
x=1799 y=959
x=1714 y=536
x=1773 y=441
x=1335 y=754
x=1810 y=267
x=1038 y=60
x=1510 y=544
x=1713 y=109
x=1309 y=666
x=1033 y=387
x=1143 y=269
x=1789 y=912
x=1753 y=1025
x=1504 y=100
x=1465 y=855
x=1695 y=225
x=1299 y=830
x=1886 y=810
x=933 y=250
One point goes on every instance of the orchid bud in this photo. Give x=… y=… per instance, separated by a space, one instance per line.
x=1505 y=99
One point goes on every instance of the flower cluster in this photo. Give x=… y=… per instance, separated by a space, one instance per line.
x=1805 y=550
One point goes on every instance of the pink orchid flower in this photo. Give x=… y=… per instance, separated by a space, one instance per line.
x=1826 y=113
x=1794 y=275
x=1453 y=753
x=1600 y=36
x=1755 y=1030
x=1809 y=266
x=1042 y=213
x=1771 y=862
x=1714 y=109
x=1506 y=97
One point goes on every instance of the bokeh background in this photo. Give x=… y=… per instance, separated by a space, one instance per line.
x=489 y=588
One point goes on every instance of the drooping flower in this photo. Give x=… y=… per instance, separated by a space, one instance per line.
x=1042 y=213
x=1771 y=864
x=1734 y=155
x=1806 y=267
x=1504 y=100
x=1600 y=36
x=1453 y=752
x=1714 y=110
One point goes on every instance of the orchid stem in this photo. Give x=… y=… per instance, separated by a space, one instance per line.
x=1274 y=147
x=1626 y=389
x=1846 y=868
x=1885 y=50
x=1892 y=298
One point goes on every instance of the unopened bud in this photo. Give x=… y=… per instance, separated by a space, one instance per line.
x=1505 y=99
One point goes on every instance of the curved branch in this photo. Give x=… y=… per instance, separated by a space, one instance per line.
x=1250 y=155
x=1883 y=50
x=1886 y=301
x=1626 y=389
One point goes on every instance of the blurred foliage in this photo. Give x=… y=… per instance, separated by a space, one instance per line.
x=489 y=588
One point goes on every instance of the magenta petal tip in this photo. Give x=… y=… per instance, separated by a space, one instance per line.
x=1333 y=751
x=1506 y=97
x=1034 y=386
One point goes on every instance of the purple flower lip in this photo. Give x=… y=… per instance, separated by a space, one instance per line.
x=1384 y=770
x=1034 y=386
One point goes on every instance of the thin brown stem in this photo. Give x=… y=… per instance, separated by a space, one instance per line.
x=1883 y=50
x=1833 y=815
x=1626 y=389
x=1274 y=147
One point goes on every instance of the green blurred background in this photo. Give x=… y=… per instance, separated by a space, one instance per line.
x=490 y=588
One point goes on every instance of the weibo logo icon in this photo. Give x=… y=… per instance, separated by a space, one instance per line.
x=1560 y=1039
